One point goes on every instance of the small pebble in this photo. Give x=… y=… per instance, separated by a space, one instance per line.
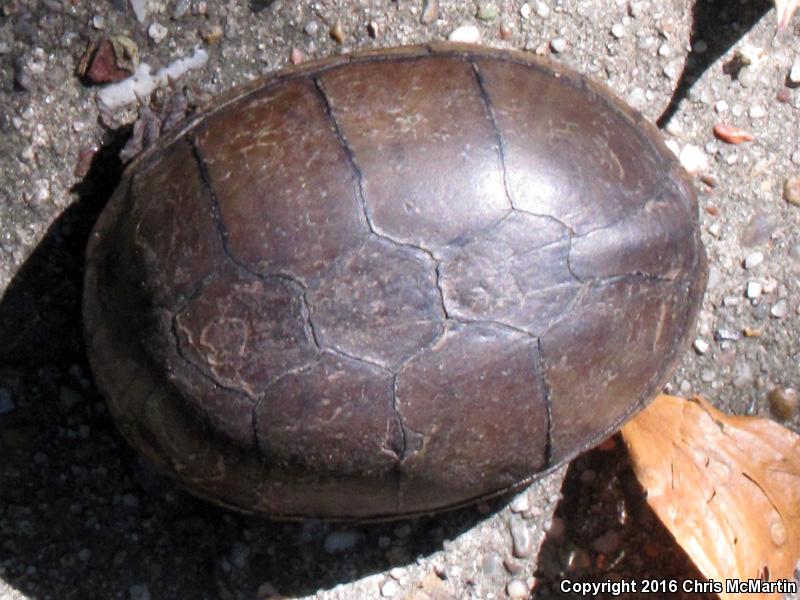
x=468 y=34
x=139 y=591
x=754 y=289
x=517 y=589
x=760 y=229
x=542 y=10
x=389 y=588
x=721 y=106
x=98 y=22
x=796 y=157
x=707 y=375
x=311 y=28
x=780 y=309
x=701 y=346
x=525 y=11
x=341 y=541
x=506 y=30
x=487 y=11
x=181 y=8
x=783 y=402
x=157 y=32
x=731 y=301
x=558 y=45
x=794 y=73
x=663 y=50
x=337 y=33
x=521 y=538
x=693 y=159
x=492 y=565
x=608 y=543
x=753 y=260
x=6 y=403
x=757 y=112
x=140 y=9
x=520 y=504
x=430 y=12
x=212 y=35
x=618 y=30
x=791 y=190
x=296 y=56
x=726 y=335
x=747 y=77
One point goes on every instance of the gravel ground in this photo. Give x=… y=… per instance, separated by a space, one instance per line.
x=82 y=517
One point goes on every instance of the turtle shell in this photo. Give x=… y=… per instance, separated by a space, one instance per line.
x=391 y=283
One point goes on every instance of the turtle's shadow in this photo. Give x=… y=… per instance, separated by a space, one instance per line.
x=718 y=24
x=81 y=516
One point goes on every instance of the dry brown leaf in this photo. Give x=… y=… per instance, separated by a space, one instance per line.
x=785 y=10
x=726 y=487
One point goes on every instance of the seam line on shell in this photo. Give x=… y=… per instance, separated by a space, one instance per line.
x=345 y=146
x=359 y=175
x=501 y=147
x=200 y=370
x=487 y=105
x=548 y=403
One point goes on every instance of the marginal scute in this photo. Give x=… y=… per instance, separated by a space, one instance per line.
x=621 y=249
x=516 y=273
x=287 y=194
x=406 y=127
x=332 y=426
x=592 y=165
x=380 y=303
x=474 y=406
x=243 y=331
x=611 y=348
x=174 y=224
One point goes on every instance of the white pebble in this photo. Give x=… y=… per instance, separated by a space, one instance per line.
x=674 y=146
x=140 y=9
x=754 y=289
x=753 y=260
x=389 y=589
x=520 y=504
x=794 y=72
x=142 y=82
x=618 y=30
x=558 y=45
x=98 y=22
x=693 y=159
x=780 y=309
x=517 y=589
x=157 y=32
x=468 y=34
x=757 y=112
x=701 y=346
x=311 y=28
x=341 y=541
x=525 y=11
x=542 y=9
x=721 y=106
x=715 y=230
x=664 y=50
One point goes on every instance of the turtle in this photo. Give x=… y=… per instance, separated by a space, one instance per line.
x=391 y=283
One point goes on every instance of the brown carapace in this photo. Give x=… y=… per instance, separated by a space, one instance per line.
x=391 y=283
